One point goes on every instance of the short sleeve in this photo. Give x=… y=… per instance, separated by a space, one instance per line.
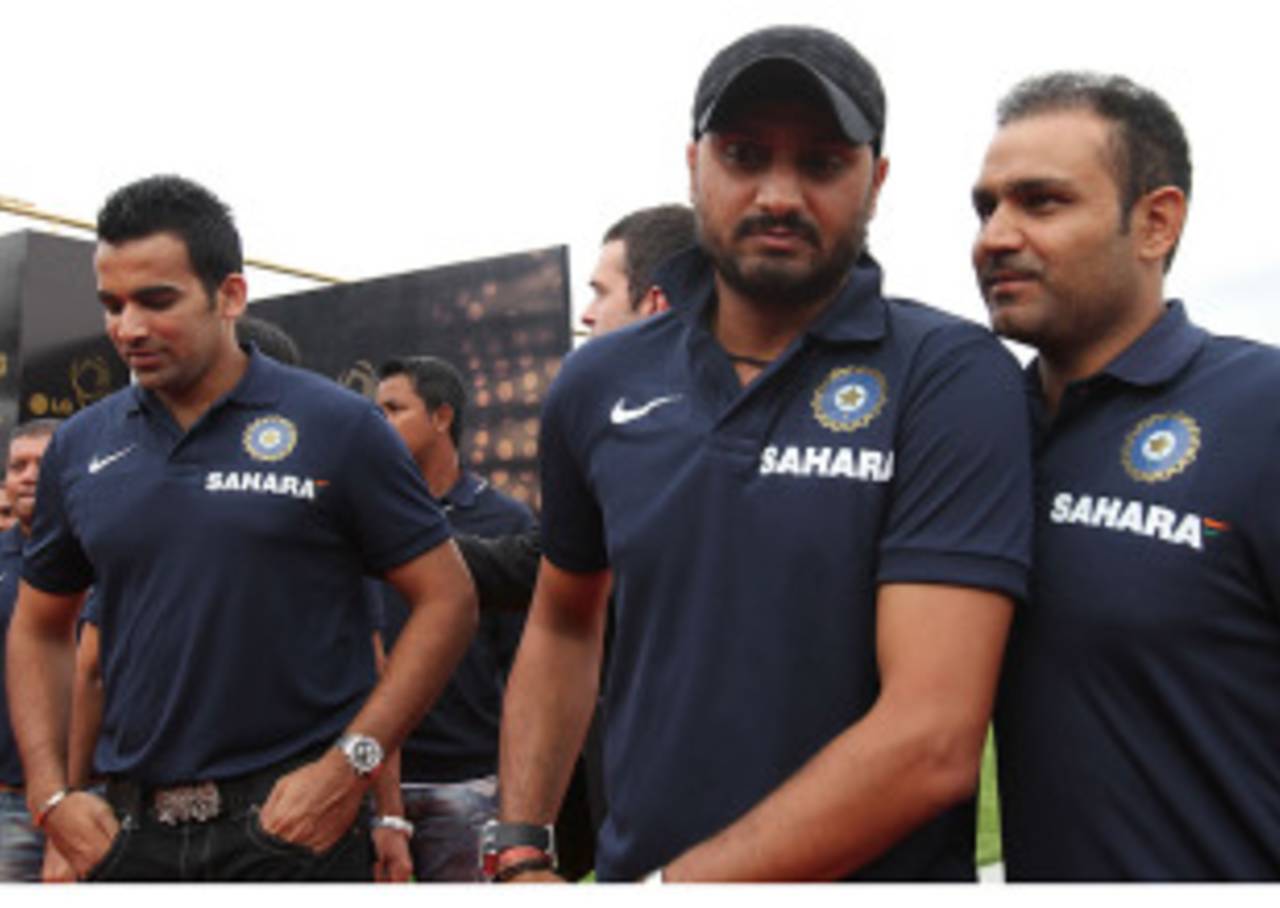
x=572 y=525
x=961 y=508
x=385 y=501
x=52 y=559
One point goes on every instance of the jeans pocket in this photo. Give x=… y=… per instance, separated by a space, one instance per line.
x=101 y=871
x=272 y=844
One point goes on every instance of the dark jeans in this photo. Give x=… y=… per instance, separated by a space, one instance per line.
x=229 y=848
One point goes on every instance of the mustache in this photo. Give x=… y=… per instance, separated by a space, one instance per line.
x=1001 y=268
x=765 y=223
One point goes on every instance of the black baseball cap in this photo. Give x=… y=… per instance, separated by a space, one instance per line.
x=784 y=60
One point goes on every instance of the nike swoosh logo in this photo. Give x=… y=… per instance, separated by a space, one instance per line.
x=98 y=464
x=622 y=414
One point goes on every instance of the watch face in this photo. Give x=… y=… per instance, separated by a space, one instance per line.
x=364 y=753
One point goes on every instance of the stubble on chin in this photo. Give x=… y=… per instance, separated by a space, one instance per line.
x=781 y=284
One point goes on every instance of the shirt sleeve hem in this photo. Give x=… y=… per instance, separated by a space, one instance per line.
x=53 y=588
x=574 y=564
x=998 y=574
x=403 y=554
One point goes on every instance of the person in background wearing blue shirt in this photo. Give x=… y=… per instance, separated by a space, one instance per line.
x=21 y=844
x=812 y=504
x=449 y=763
x=226 y=509
x=622 y=284
x=1138 y=720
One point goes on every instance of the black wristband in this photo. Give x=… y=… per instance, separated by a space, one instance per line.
x=545 y=862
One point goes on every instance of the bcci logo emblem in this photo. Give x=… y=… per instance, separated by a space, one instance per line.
x=1160 y=447
x=271 y=438
x=849 y=399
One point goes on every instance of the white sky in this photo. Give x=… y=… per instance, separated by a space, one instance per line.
x=368 y=138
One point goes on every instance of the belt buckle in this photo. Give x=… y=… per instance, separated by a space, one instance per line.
x=197 y=803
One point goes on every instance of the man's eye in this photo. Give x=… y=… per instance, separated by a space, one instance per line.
x=1040 y=201
x=745 y=155
x=824 y=166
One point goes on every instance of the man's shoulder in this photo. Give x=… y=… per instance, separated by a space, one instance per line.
x=935 y=334
x=511 y=510
x=1244 y=352
x=317 y=396
x=84 y=426
x=915 y=316
x=11 y=542
x=602 y=365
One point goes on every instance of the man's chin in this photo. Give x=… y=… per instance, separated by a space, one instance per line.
x=1011 y=323
x=150 y=379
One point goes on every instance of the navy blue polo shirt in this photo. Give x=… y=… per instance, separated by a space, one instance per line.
x=458 y=739
x=749 y=529
x=228 y=562
x=10 y=572
x=1139 y=713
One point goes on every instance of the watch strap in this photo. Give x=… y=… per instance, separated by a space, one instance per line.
x=537 y=841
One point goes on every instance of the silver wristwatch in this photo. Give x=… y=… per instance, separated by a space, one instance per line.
x=364 y=754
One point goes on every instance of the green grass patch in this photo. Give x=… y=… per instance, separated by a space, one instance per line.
x=988 y=844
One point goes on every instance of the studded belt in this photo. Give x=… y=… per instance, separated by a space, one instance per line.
x=199 y=802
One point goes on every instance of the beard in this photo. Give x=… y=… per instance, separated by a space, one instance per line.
x=782 y=282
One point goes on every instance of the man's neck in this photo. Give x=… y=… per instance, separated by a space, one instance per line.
x=755 y=332
x=187 y=406
x=1060 y=368
x=441 y=473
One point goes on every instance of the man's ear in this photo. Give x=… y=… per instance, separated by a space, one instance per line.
x=1157 y=220
x=442 y=418
x=653 y=302
x=233 y=295
x=879 y=174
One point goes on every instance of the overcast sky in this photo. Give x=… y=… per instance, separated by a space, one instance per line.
x=369 y=138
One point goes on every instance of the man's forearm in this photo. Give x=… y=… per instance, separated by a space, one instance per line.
x=431 y=644
x=852 y=802
x=388 y=800
x=550 y=699
x=914 y=754
x=86 y=724
x=39 y=666
x=86 y=707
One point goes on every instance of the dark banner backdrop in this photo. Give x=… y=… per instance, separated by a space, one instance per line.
x=54 y=357
x=502 y=322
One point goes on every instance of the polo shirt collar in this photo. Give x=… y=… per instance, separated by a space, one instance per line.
x=464 y=491
x=858 y=313
x=1153 y=359
x=258 y=387
x=1161 y=353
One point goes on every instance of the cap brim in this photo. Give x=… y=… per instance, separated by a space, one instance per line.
x=853 y=123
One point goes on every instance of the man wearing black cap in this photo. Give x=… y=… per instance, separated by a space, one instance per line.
x=814 y=588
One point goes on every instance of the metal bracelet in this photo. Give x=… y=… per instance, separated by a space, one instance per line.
x=42 y=815
x=398 y=824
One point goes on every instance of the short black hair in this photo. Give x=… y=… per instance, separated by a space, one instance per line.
x=651 y=236
x=269 y=338
x=436 y=382
x=173 y=204
x=33 y=428
x=1149 y=148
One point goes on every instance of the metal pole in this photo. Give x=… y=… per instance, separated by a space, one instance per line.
x=27 y=210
